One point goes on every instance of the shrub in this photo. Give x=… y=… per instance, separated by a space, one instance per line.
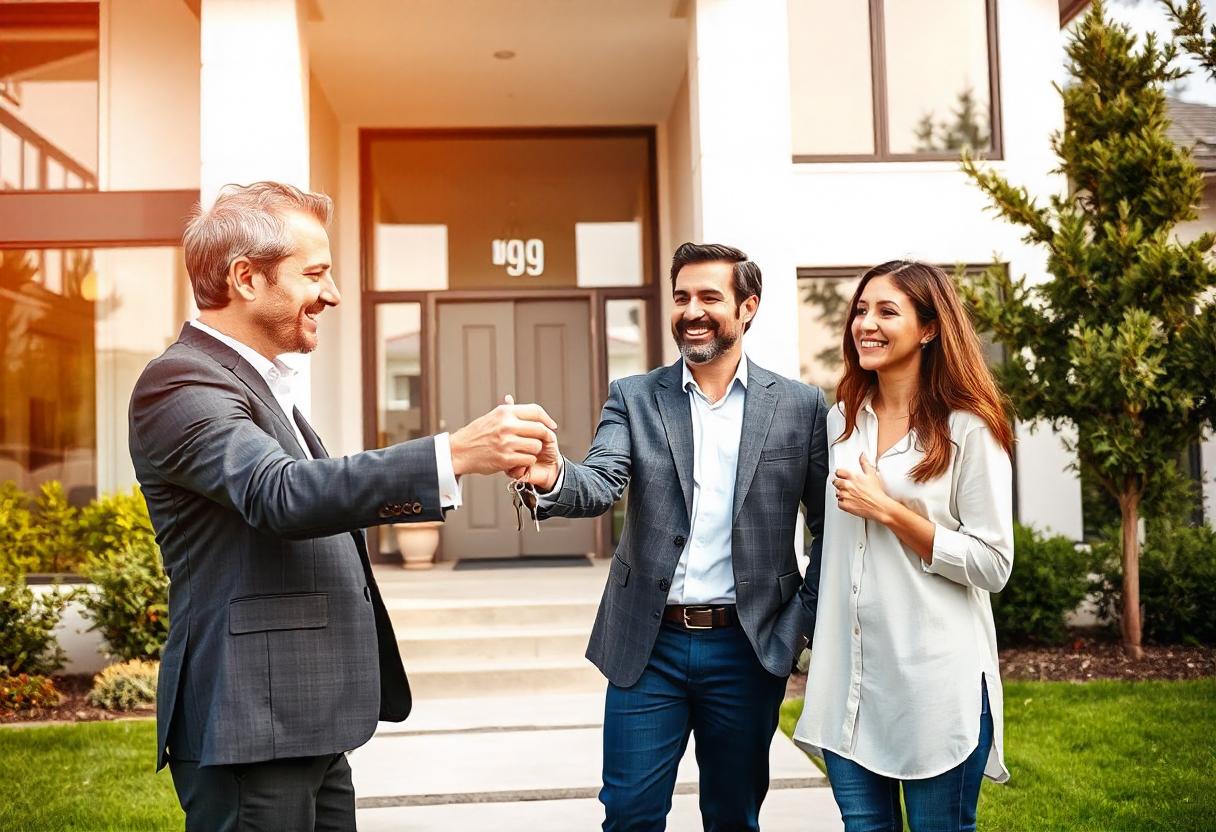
x=27 y=624
x=18 y=546
x=1177 y=582
x=23 y=691
x=115 y=523
x=57 y=538
x=125 y=686
x=1049 y=580
x=130 y=603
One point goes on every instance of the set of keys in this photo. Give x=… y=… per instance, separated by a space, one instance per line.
x=523 y=496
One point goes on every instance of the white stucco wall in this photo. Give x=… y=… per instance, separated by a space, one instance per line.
x=860 y=214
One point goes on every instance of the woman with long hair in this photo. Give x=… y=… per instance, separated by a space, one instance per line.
x=904 y=692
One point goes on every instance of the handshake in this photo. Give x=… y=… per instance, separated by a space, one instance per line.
x=517 y=439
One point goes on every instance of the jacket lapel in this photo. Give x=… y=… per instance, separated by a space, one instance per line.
x=758 y=408
x=672 y=400
x=315 y=446
x=229 y=358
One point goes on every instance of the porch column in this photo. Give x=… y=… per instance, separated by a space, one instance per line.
x=254 y=104
x=741 y=157
x=254 y=90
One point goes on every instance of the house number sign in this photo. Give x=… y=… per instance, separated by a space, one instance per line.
x=519 y=256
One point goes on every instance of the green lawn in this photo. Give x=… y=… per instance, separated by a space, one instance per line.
x=1101 y=757
x=95 y=776
x=1097 y=757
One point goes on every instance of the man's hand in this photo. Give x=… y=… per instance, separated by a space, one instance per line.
x=508 y=437
x=544 y=472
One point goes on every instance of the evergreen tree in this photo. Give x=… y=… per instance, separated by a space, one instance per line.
x=1120 y=341
x=1193 y=33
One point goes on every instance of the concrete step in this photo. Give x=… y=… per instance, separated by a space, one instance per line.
x=441 y=679
x=408 y=614
x=468 y=644
x=452 y=766
x=784 y=810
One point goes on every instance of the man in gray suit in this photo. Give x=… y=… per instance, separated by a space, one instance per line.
x=705 y=611
x=281 y=654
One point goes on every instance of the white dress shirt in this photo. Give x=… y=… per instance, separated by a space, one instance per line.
x=280 y=378
x=901 y=646
x=705 y=573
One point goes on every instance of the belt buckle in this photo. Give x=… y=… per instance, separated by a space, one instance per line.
x=690 y=626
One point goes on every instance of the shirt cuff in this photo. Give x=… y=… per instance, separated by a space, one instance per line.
x=949 y=555
x=449 y=486
x=549 y=498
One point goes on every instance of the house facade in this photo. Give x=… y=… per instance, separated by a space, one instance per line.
x=509 y=182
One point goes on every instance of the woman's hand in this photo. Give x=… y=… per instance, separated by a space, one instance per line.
x=862 y=494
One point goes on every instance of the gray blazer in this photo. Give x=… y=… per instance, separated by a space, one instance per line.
x=279 y=643
x=644 y=440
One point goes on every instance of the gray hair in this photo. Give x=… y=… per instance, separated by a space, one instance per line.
x=244 y=221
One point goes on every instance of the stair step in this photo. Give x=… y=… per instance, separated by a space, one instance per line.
x=485 y=644
x=410 y=615
x=431 y=681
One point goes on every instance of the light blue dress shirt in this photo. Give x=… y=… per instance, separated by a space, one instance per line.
x=705 y=573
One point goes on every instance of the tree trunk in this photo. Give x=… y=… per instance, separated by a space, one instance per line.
x=1129 y=510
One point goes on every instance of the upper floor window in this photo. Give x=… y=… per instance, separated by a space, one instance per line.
x=48 y=96
x=893 y=80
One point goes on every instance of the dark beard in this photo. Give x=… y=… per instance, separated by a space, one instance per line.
x=704 y=353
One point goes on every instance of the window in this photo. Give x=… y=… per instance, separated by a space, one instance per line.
x=893 y=80
x=509 y=209
x=77 y=327
x=48 y=96
x=823 y=308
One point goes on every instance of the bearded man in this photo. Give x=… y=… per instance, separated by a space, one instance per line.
x=705 y=611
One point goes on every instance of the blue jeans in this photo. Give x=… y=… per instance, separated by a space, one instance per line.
x=708 y=683
x=869 y=802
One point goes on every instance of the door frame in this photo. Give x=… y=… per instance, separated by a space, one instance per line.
x=650 y=291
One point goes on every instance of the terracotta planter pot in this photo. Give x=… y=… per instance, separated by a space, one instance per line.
x=417 y=543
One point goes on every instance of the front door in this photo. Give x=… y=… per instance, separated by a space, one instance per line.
x=537 y=351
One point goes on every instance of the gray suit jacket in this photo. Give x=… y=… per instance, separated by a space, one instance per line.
x=644 y=440
x=279 y=644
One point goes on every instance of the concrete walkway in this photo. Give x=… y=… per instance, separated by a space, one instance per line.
x=506 y=729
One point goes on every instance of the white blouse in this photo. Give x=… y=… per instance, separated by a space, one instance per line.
x=900 y=645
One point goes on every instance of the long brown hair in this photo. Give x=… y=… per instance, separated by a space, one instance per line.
x=953 y=374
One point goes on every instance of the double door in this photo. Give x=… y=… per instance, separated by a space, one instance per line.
x=537 y=351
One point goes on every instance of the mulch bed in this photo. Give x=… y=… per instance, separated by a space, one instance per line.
x=73 y=707
x=1087 y=659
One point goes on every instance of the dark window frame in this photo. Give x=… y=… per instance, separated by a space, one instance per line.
x=878 y=100
x=649 y=291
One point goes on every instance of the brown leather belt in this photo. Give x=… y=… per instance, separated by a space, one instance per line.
x=701 y=616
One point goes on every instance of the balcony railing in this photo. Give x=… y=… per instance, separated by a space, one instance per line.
x=40 y=164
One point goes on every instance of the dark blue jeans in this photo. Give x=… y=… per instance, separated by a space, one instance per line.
x=869 y=802
x=708 y=683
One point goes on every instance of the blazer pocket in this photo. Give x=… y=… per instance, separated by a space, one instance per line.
x=620 y=570
x=788 y=452
x=788 y=584
x=261 y=613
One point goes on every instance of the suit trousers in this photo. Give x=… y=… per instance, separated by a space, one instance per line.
x=301 y=794
x=707 y=683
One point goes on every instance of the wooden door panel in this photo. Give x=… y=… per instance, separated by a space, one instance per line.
x=476 y=368
x=553 y=368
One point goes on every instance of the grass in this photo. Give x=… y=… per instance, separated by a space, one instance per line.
x=1094 y=757
x=1101 y=757
x=95 y=776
